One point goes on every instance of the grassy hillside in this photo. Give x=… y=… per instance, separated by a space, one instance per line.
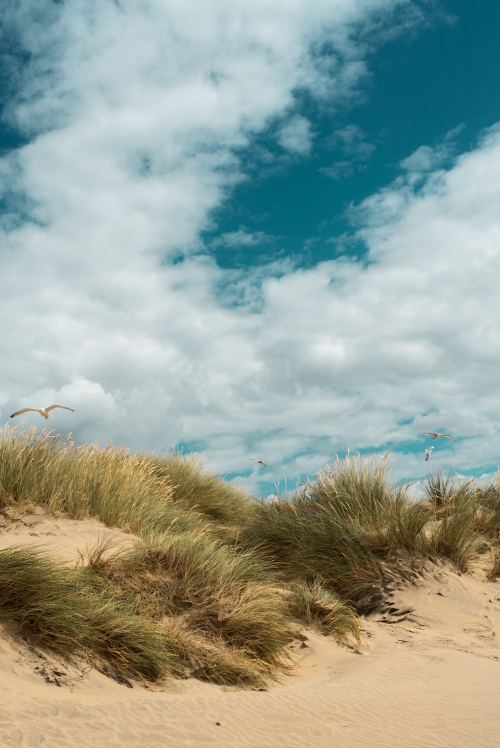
x=217 y=582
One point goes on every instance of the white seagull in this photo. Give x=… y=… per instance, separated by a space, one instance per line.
x=259 y=462
x=43 y=411
x=428 y=453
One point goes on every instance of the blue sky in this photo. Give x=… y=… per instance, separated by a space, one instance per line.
x=441 y=78
x=261 y=230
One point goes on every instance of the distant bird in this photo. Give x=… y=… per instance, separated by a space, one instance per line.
x=386 y=456
x=428 y=453
x=438 y=436
x=259 y=462
x=43 y=411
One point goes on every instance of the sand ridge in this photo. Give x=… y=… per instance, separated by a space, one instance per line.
x=61 y=536
x=428 y=677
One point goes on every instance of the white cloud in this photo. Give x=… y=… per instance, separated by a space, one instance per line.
x=362 y=355
x=296 y=136
x=426 y=159
x=134 y=113
x=339 y=170
x=351 y=140
x=242 y=238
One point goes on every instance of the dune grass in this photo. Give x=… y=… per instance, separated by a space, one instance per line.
x=65 y=612
x=455 y=507
x=338 y=527
x=120 y=488
x=220 y=594
x=217 y=582
x=196 y=488
x=316 y=605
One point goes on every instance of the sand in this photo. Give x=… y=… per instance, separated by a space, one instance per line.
x=429 y=677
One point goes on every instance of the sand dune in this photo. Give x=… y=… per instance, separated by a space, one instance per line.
x=429 y=676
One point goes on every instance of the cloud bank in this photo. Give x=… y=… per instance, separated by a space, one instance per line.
x=134 y=114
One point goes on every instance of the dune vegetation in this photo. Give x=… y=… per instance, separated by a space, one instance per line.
x=217 y=583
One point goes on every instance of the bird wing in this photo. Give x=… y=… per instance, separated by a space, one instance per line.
x=431 y=433
x=261 y=462
x=51 y=407
x=448 y=436
x=24 y=410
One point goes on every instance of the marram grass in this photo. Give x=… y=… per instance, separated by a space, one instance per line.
x=120 y=488
x=217 y=582
x=195 y=488
x=66 y=613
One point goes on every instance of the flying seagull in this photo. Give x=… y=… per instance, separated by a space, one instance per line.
x=386 y=456
x=428 y=453
x=438 y=436
x=259 y=462
x=43 y=411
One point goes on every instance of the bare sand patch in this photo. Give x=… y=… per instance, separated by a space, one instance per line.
x=61 y=536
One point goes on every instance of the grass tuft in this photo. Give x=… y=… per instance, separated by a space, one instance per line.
x=313 y=604
x=220 y=593
x=65 y=612
x=120 y=488
x=196 y=488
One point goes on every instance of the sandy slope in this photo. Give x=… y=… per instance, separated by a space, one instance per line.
x=429 y=677
x=60 y=536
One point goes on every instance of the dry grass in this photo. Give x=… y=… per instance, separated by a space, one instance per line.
x=459 y=510
x=315 y=605
x=64 y=611
x=120 y=488
x=196 y=488
x=488 y=514
x=336 y=528
x=221 y=593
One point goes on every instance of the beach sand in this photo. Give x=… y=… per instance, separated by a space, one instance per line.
x=428 y=677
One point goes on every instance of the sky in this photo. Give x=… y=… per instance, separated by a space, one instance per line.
x=254 y=230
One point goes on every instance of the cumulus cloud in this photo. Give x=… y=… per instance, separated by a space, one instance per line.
x=425 y=159
x=296 y=136
x=134 y=113
x=351 y=140
x=242 y=238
